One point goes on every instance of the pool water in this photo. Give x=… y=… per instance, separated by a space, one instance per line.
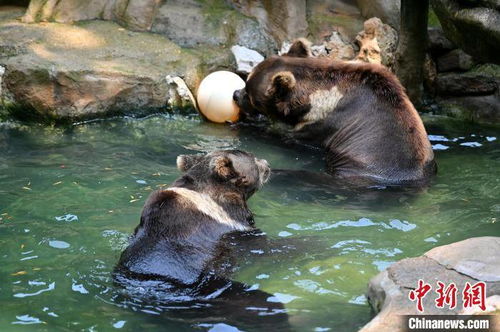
x=70 y=196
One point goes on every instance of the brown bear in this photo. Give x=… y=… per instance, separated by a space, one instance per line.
x=181 y=226
x=182 y=253
x=358 y=112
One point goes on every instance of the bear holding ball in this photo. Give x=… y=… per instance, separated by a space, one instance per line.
x=358 y=112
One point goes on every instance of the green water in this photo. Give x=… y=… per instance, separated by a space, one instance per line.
x=69 y=197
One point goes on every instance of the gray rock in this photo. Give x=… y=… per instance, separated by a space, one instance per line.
x=179 y=95
x=486 y=267
x=387 y=10
x=283 y=19
x=246 y=59
x=135 y=15
x=438 y=43
x=473 y=28
x=479 y=109
x=184 y=23
x=377 y=43
x=2 y=71
x=388 y=292
x=454 y=60
x=335 y=46
x=460 y=84
x=323 y=16
x=91 y=70
x=188 y=23
x=192 y=23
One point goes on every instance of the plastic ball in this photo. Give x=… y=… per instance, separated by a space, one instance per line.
x=215 y=96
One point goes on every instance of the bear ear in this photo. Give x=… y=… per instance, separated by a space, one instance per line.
x=186 y=161
x=301 y=48
x=281 y=83
x=222 y=166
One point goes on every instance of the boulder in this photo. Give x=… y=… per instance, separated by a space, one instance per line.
x=387 y=10
x=339 y=15
x=471 y=260
x=478 y=109
x=454 y=60
x=478 y=258
x=246 y=59
x=188 y=23
x=136 y=15
x=473 y=27
x=377 y=43
x=72 y=72
x=191 y=23
x=179 y=93
x=335 y=46
x=282 y=19
x=184 y=23
x=438 y=43
x=460 y=84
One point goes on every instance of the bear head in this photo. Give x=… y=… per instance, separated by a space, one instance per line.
x=235 y=170
x=277 y=87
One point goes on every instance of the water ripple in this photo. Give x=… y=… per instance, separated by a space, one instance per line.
x=51 y=286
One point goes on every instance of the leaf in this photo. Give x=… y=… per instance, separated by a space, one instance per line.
x=19 y=273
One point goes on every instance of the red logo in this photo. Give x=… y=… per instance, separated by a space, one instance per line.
x=419 y=293
x=472 y=295
x=447 y=295
x=475 y=295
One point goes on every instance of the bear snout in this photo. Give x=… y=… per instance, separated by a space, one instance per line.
x=264 y=170
x=236 y=96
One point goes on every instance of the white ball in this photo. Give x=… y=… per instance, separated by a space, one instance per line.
x=215 y=96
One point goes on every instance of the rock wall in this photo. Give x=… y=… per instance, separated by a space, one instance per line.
x=474 y=27
x=93 y=69
x=189 y=23
x=208 y=32
x=460 y=85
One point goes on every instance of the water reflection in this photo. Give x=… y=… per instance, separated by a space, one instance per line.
x=86 y=186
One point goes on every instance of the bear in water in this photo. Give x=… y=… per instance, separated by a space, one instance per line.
x=358 y=112
x=189 y=235
x=181 y=227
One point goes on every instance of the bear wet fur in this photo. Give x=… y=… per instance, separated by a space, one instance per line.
x=178 y=238
x=358 y=112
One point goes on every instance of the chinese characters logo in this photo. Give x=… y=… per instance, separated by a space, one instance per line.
x=472 y=295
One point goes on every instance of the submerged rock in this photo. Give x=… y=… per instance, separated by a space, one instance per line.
x=471 y=260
